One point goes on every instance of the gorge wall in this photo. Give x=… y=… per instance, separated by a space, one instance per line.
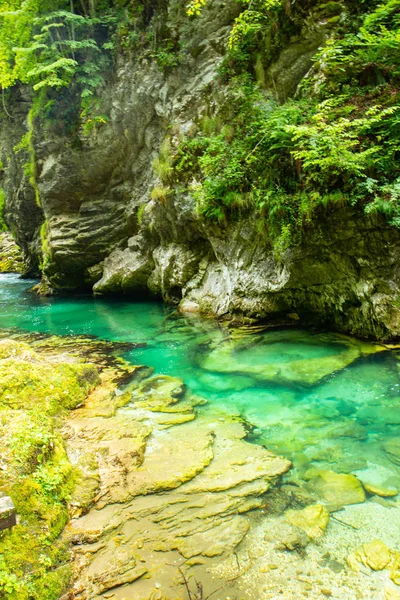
x=87 y=215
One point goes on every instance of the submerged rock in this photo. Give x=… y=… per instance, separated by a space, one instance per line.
x=392 y=594
x=372 y=488
x=312 y=519
x=336 y=489
x=268 y=360
x=395 y=569
x=375 y=555
x=288 y=537
x=392 y=449
x=159 y=393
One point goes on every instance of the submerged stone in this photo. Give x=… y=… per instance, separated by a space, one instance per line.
x=288 y=537
x=372 y=488
x=392 y=449
x=312 y=519
x=336 y=489
x=375 y=555
x=159 y=393
x=392 y=594
x=280 y=358
x=395 y=569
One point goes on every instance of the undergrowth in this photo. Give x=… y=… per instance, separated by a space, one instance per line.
x=335 y=143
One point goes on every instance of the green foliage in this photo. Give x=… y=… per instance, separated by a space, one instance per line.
x=241 y=160
x=140 y=214
x=56 y=45
x=337 y=143
x=36 y=472
x=163 y=164
x=3 y=225
x=194 y=7
x=167 y=56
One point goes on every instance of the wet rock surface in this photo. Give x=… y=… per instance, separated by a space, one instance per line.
x=185 y=494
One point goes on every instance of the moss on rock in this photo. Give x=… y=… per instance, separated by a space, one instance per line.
x=11 y=259
x=37 y=388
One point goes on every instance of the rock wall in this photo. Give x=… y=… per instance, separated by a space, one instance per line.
x=21 y=211
x=103 y=231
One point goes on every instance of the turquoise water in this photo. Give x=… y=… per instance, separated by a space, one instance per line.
x=321 y=400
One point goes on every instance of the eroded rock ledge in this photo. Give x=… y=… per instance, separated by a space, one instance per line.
x=172 y=486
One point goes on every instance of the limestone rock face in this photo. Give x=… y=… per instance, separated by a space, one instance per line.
x=11 y=260
x=104 y=231
x=21 y=211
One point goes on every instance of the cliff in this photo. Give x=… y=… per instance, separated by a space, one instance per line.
x=104 y=205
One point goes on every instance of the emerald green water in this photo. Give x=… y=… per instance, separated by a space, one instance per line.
x=319 y=399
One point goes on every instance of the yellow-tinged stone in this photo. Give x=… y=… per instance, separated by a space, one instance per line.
x=375 y=555
x=313 y=519
x=268 y=568
x=380 y=491
x=395 y=569
x=337 y=489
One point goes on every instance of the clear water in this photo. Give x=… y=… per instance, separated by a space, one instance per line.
x=309 y=397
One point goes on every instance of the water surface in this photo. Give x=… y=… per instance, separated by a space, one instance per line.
x=317 y=399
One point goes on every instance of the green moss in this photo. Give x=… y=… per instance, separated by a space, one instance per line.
x=164 y=162
x=52 y=387
x=160 y=193
x=26 y=145
x=330 y=9
x=36 y=472
x=140 y=213
x=3 y=226
x=11 y=259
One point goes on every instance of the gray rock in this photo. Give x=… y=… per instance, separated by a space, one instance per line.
x=8 y=516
